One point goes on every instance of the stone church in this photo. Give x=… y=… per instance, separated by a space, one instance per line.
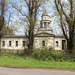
x=44 y=37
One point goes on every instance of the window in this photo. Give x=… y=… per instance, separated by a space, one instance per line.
x=63 y=45
x=41 y=25
x=3 y=43
x=48 y=22
x=56 y=43
x=23 y=43
x=9 y=43
x=16 y=43
x=43 y=43
x=45 y=25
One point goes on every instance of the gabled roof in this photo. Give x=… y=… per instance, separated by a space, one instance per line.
x=44 y=34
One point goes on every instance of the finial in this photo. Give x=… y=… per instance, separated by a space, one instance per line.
x=45 y=12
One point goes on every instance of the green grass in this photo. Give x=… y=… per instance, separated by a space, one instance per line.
x=19 y=61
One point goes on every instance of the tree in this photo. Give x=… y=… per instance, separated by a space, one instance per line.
x=7 y=28
x=2 y=8
x=33 y=7
x=67 y=21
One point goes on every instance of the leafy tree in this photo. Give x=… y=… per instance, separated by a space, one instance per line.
x=67 y=20
x=33 y=8
x=2 y=9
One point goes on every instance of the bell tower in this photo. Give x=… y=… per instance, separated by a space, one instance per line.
x=45 y=23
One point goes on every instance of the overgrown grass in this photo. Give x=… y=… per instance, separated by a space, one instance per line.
x=19 y=61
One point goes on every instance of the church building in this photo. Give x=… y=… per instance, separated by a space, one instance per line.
x=44 y=37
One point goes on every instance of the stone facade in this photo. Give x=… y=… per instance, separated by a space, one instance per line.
x=16 y=43
x=50 y=41
x=44 y=37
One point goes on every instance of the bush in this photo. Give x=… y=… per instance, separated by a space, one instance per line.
x=48 y=54
x=42 y=53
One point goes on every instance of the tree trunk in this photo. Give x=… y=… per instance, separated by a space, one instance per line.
x=31 y=39
x=0 y=45
x=70 y=45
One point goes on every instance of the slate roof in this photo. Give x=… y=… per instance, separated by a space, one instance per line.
x=13 y=36
x=48 y=35
x=44 y=35
x=36 y=35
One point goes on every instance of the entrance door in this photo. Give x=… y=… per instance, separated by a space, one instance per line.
x=63 y=45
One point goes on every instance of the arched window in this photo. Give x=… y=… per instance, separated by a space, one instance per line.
x=41 y=25
x=57 y=44
x=16 y=43
x=9 y=43
x=3 y=43
x=45 y=25
x=24 y=43
x=43 y=43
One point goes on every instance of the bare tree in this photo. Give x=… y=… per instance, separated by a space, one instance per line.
x=67 y=21
x=8 y=29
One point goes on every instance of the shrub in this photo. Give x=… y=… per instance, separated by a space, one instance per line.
x=36 y=54
x=50 y=48
x=72 y=58
x=46 y=54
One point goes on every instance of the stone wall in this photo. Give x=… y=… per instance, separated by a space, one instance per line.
x=49 y=41
x=13 y=43
x=59 y=43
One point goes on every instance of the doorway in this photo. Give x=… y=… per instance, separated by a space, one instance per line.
x=63 y=45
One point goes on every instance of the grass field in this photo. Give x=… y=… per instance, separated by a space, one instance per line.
x=19 y=61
